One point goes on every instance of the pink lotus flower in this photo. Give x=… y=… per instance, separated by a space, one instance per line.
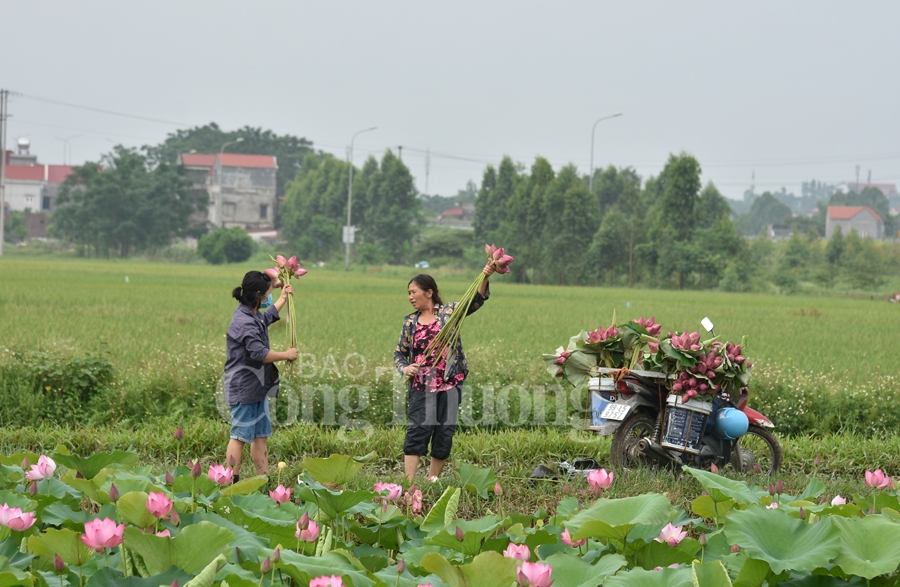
x=567 y=539
x=292 y=263
x=878 y=480
x=490 y=250
x=326 y=581
x=672 y=566
x=502 y=264
x=562 y=357
x=15 y=519
x=280 y=494
x=159 y=505
x=394 y=490
x=164 y=534
x=498 y=491
x=274 y=277
x=671 y=535
x=100 y=534
x=219 y=474
x=838 y=500
x=600 y=480
x=517 y=551
x=299 y=272
x=653 y=346
x=534 y=575
x=44 y=469
x=772 y=506
x=280 y=261
x=602 y=334
x=413 y=499
x=308 y=534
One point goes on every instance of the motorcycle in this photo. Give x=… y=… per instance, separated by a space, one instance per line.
x=652 y=427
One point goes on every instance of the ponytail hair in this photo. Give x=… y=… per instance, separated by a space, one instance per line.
x=425 y=283
x=252 y=289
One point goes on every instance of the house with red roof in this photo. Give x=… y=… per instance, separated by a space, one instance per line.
x=239 y=189
x=31 y=185
x=863 y=219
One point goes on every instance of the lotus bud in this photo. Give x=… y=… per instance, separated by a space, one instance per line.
x=497 y=489
x=703 y=387
x=676 y=387
x=711 y=374
x=25 y=464
x=817 y=460
x=196 y=470
x=113 y=493
x=735 y=548
x=749 y=364
x=174 y=583
x=459 y=534
x=32 y=489
x=772 y=491
x=276 y=556
x=702 y=539
x=739 y=359
x=779 y=486
x=174 y=518
x=757 y=468
x=179 y=433
x=401 y=566
x=802 y=514
x=266 y=566
x=58 y=564
x=304 y=521
x=169 y=478
x=713 y=469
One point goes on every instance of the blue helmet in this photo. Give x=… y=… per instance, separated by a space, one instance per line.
x=731 y=423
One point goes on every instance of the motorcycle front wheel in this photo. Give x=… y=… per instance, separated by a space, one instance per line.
x=624 y=452
x=757 y=447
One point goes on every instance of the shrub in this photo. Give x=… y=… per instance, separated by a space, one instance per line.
x=225 y=245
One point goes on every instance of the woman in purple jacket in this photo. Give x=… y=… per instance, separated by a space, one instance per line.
x=250 y=373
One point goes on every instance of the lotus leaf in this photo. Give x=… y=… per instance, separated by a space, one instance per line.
x=721 y=488
x=106 y=577
x=782 y=540
x=870 y=546
x=191 y=550
x=488 y=569
x=90 y=466
x=66 y=543
x=680 y=577
x=615 y=518
x=572 y=571
x=336 y=469
x=476 y=480
x=710 y=575
x=443 y=511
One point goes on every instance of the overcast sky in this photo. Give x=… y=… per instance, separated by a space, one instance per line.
x=792 y=91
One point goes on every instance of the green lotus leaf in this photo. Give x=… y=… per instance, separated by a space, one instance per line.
x=15 y=499
x=66 y=543
x=577 y=368
x=658 y=554
x=706 y=507
x=302 y=568
x=721 y=488
x=782 y=540
x=333 y=504
x=389 y=577
x=823 y=581
x=870 y=546
x=336 y=469
x=245 y=486
x=249 y=534
x=753 y=573
x=813 y=490
x=680 y=577
x=192 y=549
x=443 y=511
x=572 y=571
x=488 y=569
x=186 y=483
x=16 y=458
x=12 y=577
x=476 y=480
x=133 y=510
x=615 y=518
x=90 y=466
x=106 y=577
x=474 y=534
x=59 y=514
x=710 y=575
x=207 y=576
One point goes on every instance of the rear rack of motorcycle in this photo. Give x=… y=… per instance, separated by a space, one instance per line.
x=607 y=383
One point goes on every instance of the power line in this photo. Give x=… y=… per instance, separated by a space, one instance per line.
x=102 y=110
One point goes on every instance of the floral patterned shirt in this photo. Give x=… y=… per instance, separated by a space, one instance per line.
x=430 y=376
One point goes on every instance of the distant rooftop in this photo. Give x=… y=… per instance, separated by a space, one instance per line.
x=228 y=160
x=848 y=212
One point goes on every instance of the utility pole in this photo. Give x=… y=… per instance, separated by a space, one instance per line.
x=4 y=97
x=400 y=152
x=857 y=179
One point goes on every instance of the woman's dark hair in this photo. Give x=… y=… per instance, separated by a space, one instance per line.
x=252 y=289
x=426 y=282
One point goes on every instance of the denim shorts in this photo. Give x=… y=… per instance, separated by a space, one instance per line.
x=250 y=421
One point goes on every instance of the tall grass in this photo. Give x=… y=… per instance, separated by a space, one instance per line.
x=164 y=327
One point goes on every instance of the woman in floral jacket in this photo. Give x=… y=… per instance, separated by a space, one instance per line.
x=435 y=390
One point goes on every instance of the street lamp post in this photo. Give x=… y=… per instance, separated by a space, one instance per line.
x=219 y=219
x=591 y=176
x=347 y=229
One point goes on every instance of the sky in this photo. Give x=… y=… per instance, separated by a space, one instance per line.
x=769 y=93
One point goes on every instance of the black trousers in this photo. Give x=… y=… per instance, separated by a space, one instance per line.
x=432 y=419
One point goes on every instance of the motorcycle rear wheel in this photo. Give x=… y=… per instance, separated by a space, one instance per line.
x=624 y=453
x=757 y=447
